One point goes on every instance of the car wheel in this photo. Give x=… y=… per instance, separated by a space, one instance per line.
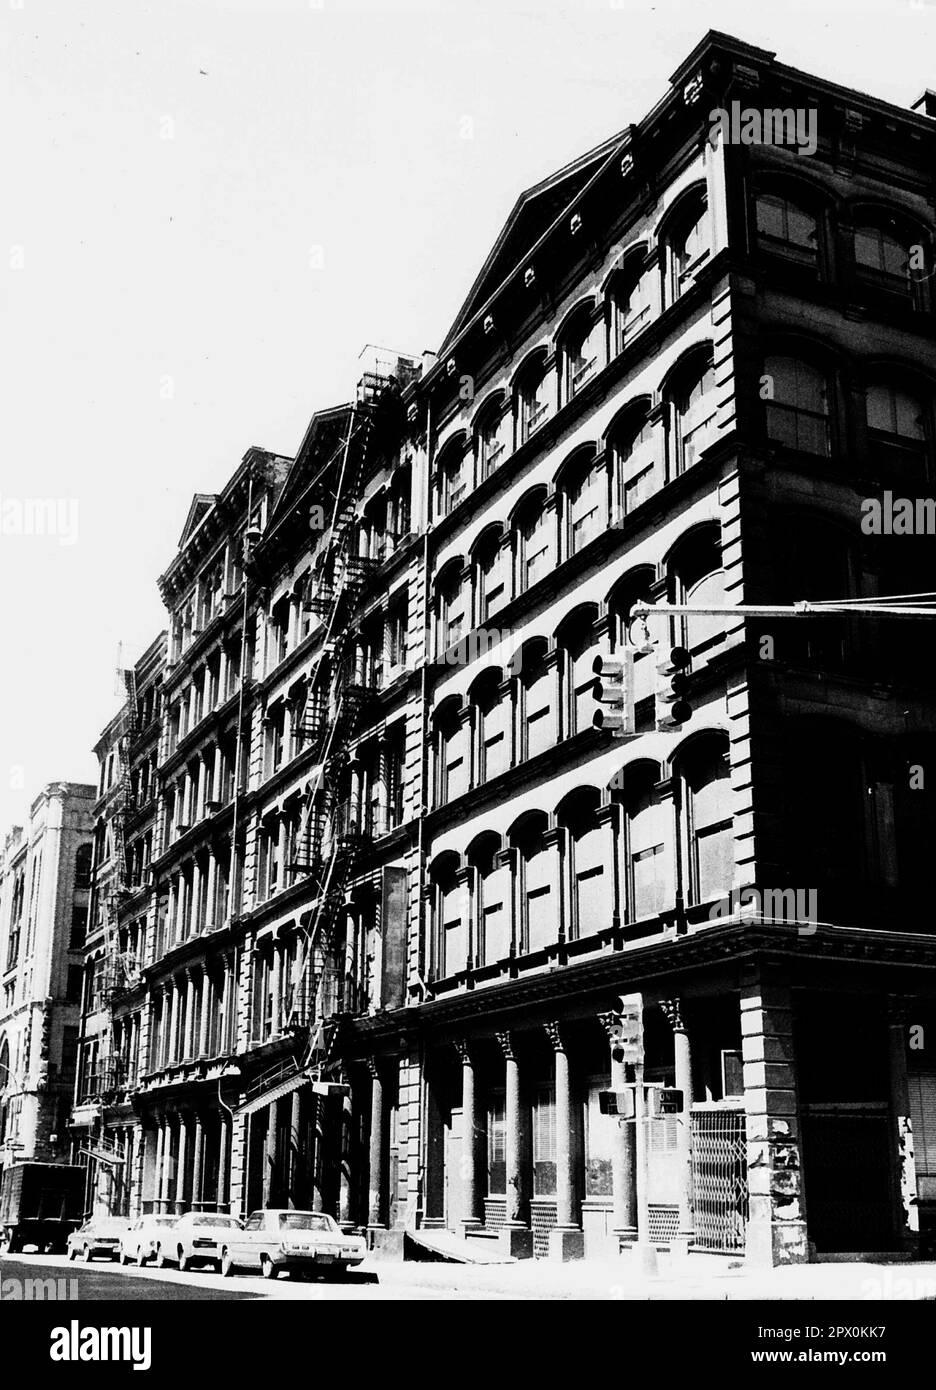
x=72 y=1252
x=161 y=1260
x=267 y=1267
x=185 y=1263
x=225 y=1264
x=140 y=1257
x=124 y=1259
x=86 y=1254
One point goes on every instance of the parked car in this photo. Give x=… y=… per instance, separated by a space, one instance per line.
x=200 y=1235
x=302 y=1242
x=101 y=1235
x=142 y=1241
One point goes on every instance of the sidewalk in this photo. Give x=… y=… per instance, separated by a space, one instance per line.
x=696 y=1277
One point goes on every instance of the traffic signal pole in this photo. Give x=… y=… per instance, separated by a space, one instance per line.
x=804 y=608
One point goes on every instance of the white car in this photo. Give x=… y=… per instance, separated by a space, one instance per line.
x=303 y=1242
x=100 y=1235
x=199 y=1237
x=144 y=1239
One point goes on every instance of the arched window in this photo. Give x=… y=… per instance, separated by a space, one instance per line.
x=632 y=300
x=637 y=458
x=490 y=562
x=536 y=895
x=490 y=899
x=787 y=229
x=697 y=577
x=492 y=438
x=583 y=488
x=451 y=605
x=450 y=938
x=648 y=840
x=398 y=507
x=451 y=752
x=882 y=254
x=692 y=413
x=537 y=695
x=4 y=1065
x=454 y=472
x=83 y=867
x=897 y=428
x=591 y=894
x=578 y=647
x=688 y=244
x=535 y=541
x=532 y=394
x=492 y=725
x=632 y=588
x=798 y=405
x=579 y=352
x=706 y=780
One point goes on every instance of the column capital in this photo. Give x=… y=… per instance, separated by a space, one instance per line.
x=672 y=1012
x=373 y=1068
x=464 y=1051
x=610 y=1021
x=506 y=1046
x=554 y=1034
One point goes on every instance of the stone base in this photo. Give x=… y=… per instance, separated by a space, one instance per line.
x=516 y=1241
x=384 y=1244
x=642 y=1259
x=769 y=1244
x=566 y=1244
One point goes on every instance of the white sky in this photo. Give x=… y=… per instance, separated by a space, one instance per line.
x=134 y=257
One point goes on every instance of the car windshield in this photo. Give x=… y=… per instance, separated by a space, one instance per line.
x=112 y=1223
x=306 y=1221
x=216 y=1220
x=162 y=1220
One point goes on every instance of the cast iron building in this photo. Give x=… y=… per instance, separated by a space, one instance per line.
x=399 y=880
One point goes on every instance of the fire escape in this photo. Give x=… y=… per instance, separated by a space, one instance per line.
x=334 y=836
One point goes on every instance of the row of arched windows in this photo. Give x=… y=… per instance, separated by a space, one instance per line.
x=602 y=858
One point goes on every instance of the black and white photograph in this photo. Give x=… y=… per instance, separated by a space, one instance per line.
x=468 y=677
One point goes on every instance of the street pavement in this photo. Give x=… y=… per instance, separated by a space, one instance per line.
x=699 y=1277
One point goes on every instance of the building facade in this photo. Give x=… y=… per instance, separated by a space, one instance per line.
x=45 y=874
x=399 y=880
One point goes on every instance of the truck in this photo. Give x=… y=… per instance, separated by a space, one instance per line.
x=40 y=1204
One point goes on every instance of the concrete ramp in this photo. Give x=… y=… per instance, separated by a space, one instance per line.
x=445 y=1245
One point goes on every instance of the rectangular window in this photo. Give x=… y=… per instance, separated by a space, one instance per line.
x=544 y=1143
x=600 y=1134
x=497 y=1145
x=922 y=1087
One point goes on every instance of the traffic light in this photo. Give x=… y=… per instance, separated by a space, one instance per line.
x=614 y=694
x=670 y=704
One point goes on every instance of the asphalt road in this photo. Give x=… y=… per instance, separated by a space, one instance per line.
x=102 y=1279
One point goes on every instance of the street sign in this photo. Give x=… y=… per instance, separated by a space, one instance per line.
x=664 y=1100
x=620 y=1103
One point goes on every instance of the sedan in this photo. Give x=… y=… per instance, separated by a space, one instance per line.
x=143 y=1240
x=303 y=1242
x=101 y=1235
x=200 y=1236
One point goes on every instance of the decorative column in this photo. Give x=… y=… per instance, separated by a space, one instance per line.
x=470 y=1127
x=269 y=1153
x=623 y=1170
x=197 y=921
x=375 y=1155
x=223 y=1201
x=176 y=998
x=682 y=1055
x=277 y=986
x=566 y=1240
x=160 y=1160
x=344 y=1180
x=197 y=1164
x=227 y=1039
x=180 y=1166
x=294 y=1193
x=189 y=1038
x=516 y=1237
x=206 y=1005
